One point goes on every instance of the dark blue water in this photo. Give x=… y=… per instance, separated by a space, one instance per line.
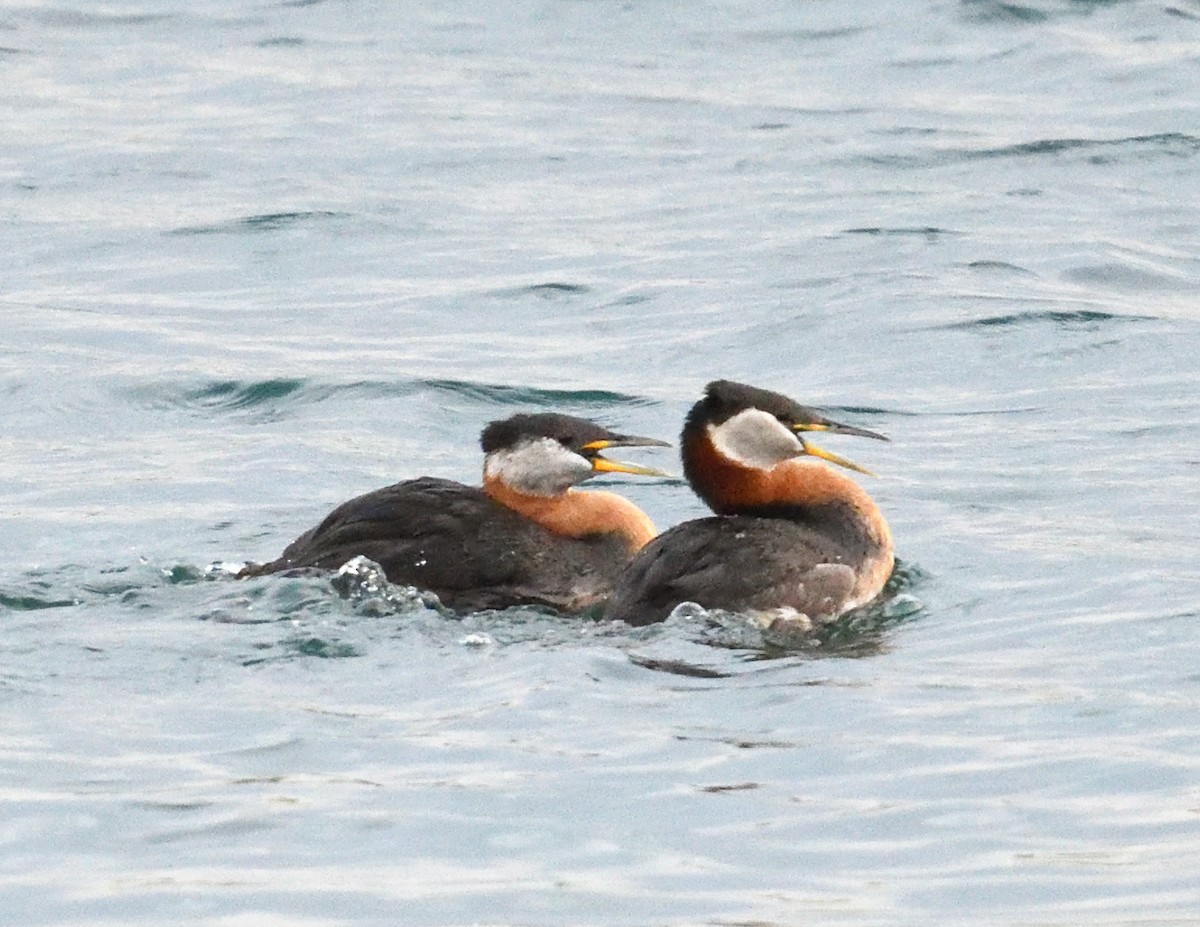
x=258 y=258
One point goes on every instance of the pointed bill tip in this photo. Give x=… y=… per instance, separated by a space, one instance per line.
x=814 y=451
x=837 y=428
x=604 y=465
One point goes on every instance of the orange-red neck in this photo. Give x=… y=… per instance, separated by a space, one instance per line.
x=801 y=484
x=577 y=514
x=807 y=491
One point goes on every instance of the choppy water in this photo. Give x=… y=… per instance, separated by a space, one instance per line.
x=258 y=258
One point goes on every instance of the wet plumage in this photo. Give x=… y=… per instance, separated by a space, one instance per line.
x=525 y=537
x=793 y=537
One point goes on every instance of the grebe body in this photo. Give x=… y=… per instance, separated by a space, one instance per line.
x=793 y=537
x=525 y=537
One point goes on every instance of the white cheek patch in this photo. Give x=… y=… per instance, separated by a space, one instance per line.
x=755 y=438
x=541 y=467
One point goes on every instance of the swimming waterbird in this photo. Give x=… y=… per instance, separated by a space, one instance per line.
x=527 y=536
x=793 y=539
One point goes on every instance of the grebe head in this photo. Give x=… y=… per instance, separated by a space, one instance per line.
x=757 y=429
x=545 y=453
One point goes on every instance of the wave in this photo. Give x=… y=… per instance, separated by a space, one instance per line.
x=552 y=289
x=1006 y=11
x=1061 y=318
x=903 y=231
x=275 y=394
x=341 y=615
x=1096 y=150
x=262 y=222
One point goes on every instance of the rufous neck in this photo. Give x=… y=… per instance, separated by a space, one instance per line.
x=799 y=484
x=804 y=490
x=578 y=514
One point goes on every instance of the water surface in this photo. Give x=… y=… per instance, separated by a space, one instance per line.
x=261 y=257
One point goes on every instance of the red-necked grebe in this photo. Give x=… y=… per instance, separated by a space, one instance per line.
x=525 y=537
x=793 y=537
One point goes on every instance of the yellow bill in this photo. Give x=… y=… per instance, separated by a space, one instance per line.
x=840 y=429
x=604 y=465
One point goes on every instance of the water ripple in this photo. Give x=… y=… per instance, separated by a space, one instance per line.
x=276 y=394
x=1098 y=150
x=551 y=290
x=712 y=644
x=1120 y=276
x=92 y=19
x=1000 y=268
x=1007 y=11
x=264 y=222
x=930 y=232
x=24 y=601
x=1062 y=318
